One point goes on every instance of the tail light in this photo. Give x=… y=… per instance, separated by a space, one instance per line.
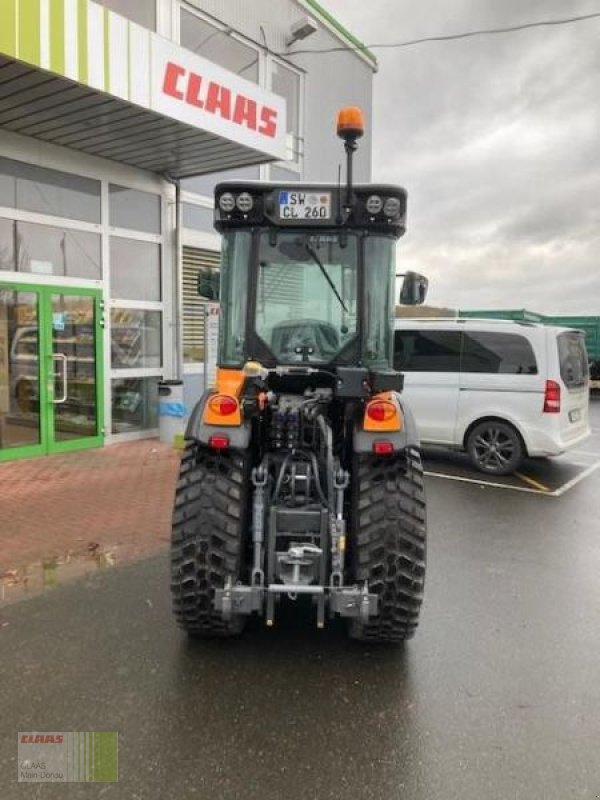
x=223 y=404
x=552 y=398
x=218 y=442
x=381 y=411
x=383 y=448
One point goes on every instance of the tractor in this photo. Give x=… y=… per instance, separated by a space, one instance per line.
x=301 y=479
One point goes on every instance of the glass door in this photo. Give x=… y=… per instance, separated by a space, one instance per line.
x=51 y=376
x=21 y=380
x=75 y=388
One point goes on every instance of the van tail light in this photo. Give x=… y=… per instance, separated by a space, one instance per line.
x=552 y=398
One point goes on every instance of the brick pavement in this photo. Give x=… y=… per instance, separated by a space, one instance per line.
x=113 y=500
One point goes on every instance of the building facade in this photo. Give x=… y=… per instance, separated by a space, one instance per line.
x=117 y=118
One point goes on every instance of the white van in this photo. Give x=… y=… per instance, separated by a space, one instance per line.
x=499 y=390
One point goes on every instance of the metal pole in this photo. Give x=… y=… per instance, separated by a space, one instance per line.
x=350 y=146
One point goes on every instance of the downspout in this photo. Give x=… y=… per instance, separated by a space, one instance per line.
x=178 y=279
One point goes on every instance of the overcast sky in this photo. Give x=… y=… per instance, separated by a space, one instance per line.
x=497 y=140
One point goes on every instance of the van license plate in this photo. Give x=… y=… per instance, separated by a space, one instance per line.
x=575 y=415
x=305 y=205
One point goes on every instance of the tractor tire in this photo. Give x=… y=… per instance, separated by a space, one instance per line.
x=207 y=543
x=389 y=547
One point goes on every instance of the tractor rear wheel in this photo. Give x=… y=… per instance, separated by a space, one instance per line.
x=207 y=544
x=389 y=526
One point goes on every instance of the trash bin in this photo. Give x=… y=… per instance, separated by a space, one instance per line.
x=171 y=412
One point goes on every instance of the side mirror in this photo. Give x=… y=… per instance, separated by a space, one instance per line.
x=209 y=281
x=414 y=289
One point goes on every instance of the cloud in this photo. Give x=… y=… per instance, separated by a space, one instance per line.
x=497 y=140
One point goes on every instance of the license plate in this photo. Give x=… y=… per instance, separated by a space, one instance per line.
x=305 y=205
x=575 y=415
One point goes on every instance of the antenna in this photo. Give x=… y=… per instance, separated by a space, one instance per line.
x=339 y=218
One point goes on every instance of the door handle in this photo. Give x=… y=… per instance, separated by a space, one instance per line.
x=62 y=357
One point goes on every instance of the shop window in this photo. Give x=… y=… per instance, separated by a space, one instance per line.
x=205 y=184
x=286 y=83
x=134 y=210
x=134 y=403
x=141 y=11
x=134 y=269
x=7 y=244
x=135 y=338
x=47 y=191
x=201 y=280
x=198 y=218
x=217 y=45
x=45 y=250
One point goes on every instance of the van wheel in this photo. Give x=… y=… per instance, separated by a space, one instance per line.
x=495 y=447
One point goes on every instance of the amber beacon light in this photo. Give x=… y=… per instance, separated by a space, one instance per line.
x=350 y=123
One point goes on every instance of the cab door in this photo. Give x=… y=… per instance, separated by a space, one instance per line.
x=430 y=361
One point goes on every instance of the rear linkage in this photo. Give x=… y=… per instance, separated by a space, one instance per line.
x=302 y=568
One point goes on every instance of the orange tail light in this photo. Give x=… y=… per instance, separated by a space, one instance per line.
x=383 y=414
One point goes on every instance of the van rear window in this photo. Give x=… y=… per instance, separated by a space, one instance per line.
x=573 y=359
x=495 y=352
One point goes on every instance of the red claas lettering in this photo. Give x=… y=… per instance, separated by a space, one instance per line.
x=172 y=74
x=41 y=738
x=213 y=98
x=192 y=95
x=268 y=120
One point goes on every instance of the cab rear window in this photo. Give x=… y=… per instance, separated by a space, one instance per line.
x=573 y=359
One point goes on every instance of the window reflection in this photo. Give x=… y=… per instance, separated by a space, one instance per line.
x=48 y=191
x=134 y=269
x=218 y=46
x=134 y=404
x=45 y=250
x=19 y=369
x=135 y=338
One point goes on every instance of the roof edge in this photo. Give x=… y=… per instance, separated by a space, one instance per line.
x=343 y=33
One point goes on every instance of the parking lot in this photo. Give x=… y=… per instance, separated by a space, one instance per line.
x=496 y=697
x=548 y=476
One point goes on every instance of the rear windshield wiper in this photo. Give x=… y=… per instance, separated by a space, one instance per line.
x=318 y=262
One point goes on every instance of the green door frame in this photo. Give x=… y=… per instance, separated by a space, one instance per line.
x=48 y=444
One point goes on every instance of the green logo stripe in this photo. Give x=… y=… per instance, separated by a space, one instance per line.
x=29 y=31
x=8 y=28
x=57 y=36
x=82 y=39
x=105 y=761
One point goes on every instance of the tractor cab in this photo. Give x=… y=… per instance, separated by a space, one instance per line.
x=308 y=277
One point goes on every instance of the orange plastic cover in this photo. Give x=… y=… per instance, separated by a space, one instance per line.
x=393 y=422
x=350 y=120
x=229 y=382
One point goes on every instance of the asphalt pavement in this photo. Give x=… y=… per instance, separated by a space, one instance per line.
x=497 y=697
